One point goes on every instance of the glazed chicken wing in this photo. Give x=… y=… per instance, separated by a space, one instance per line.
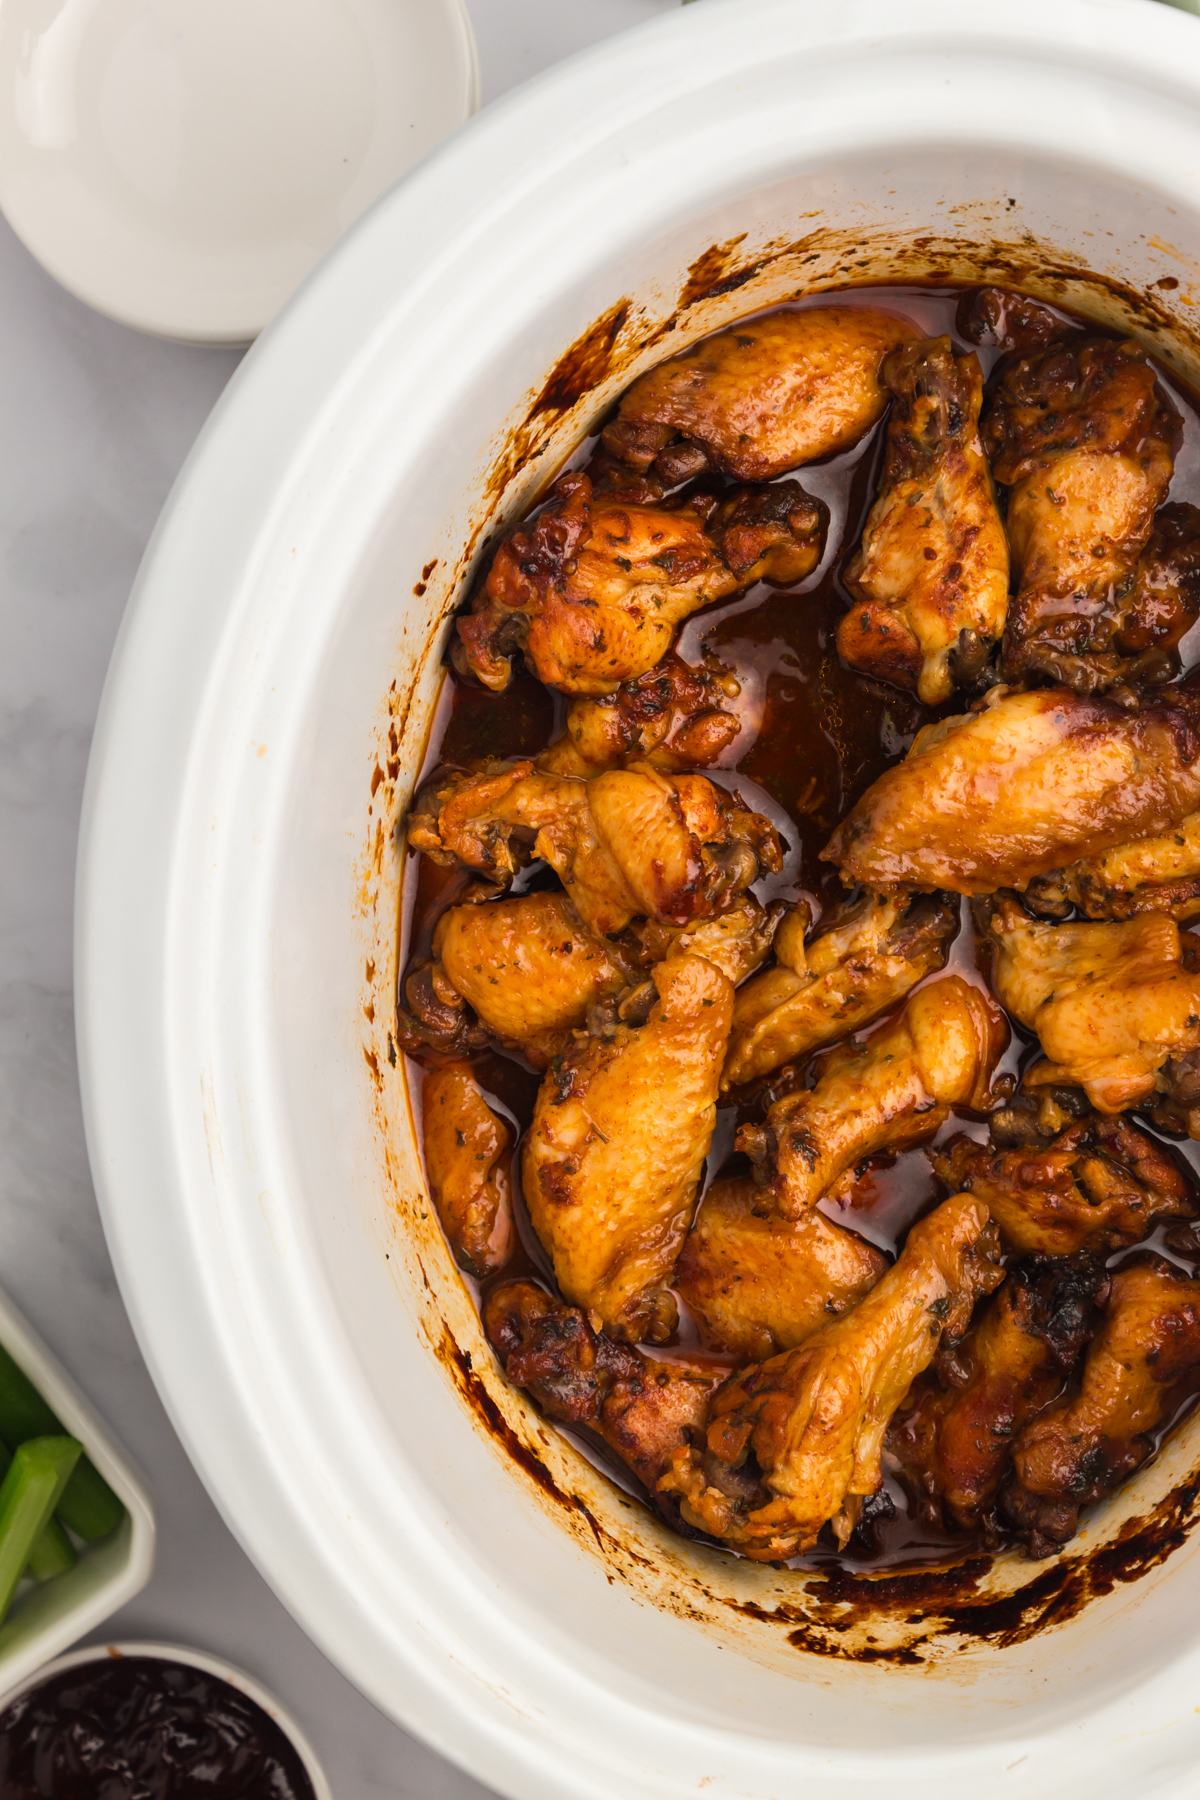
x=853 y=970
x=756 y=1286
x=590 y=592
x=1109 y=1003
x=468 y=1164
x=614 y=1155
x=814 y=1418
x=1157 y=874
x=737 y=940
x=628 y=843
x=1097 y=1186
x=930 y=578
x=675 y=716
x=1140 y=1365
x=1084 y=439
x=889 y=1093
x=761 y=398
x=643 y=1409
x=991 y=315
x=952 y=1438
x=1027 y=783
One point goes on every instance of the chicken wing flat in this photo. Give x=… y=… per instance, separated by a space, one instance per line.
x=757 y=1286
x=860 y=964
x=1140 y=1365
x=642 y=1408
x=468 y=1164
x=761 y=398
x=1109 y=1003
x=889 y=1093
x=590 y=592
x=930 y=578
x=675 y=716
x=814 y=1418
x=614 y=1155
x=1098 y=1186
x=1027 y=783
x=953 y=1436
x=628 y=843
x=1084 y=439
x=1157 y=874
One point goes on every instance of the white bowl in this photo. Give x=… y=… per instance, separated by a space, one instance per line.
x=182 y=164
x=44 y=1619
x=191 y=1659
x=238 y=891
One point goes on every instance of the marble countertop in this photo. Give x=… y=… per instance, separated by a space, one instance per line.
x=96 y=423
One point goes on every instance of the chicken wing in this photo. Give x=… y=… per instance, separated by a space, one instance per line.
x=952 y=1439
x=763 y=397
x=468 y=1164
x=675 y=716
x=1085 y=440
x=756 y=1286
x=991 y=315
x=851 y=971
x=737 y=940
x=1140 y=1365
x=814 y=1418
x=628 y=843
x=1025 y=784
x=1156 y=874
x=642 y=1408
x=930 y=578
x=590 y=592
x=612 y=1160
x=1109 y=1003
x=1097 y=1186
x=889 y=1093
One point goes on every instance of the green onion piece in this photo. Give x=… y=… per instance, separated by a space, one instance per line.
x=40 y=1470
x=53 y=1553
x=89 y=1505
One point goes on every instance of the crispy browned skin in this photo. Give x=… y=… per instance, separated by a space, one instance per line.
x=613 y=1157
x=1156 y=874
x=757 y=1286
x=1099 y=1185
x=1139 y=1367
x=628 y=843
x=857 y=966
x=468 y=1164
x=1085 y=440
x=892 y=1092
x=952 y=1438
x=642 y=1408
x=1028 y=783
x=1109 y=1003
x=814 y=1418
x=930 y=578
x=761 y=398
x=675 y=716
x=592 y=589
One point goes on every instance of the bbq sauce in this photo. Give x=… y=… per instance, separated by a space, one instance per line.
x=815 y=735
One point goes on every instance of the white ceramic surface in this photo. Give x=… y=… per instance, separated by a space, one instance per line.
x=192 y=1659
x=45 y=1618
x=182 y=164
x=238 y=883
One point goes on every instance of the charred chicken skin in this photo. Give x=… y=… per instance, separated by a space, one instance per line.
x=629 y=843
x=1142 y=1363
x=952 y=1438
x=1157 y=874
x=991 y=315
x=862 y=962
x=762 y=398
x=1027 y=783
x=613 y=1158
x=1110 y=1003
x=675 y=716
x=756 y=1286
x=468 y=1164
x=930 y=578
x=590 y=592
x=889 y=1093
x=796 y=1442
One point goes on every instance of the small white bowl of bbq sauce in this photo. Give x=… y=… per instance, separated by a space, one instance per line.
x=152 y=1714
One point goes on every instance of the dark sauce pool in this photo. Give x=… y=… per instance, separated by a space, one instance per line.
x=814 y=736
x=141 y=1728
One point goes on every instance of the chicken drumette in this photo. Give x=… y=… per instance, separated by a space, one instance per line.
x=675 y=716
x=468 y=1164
x=930 y=578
